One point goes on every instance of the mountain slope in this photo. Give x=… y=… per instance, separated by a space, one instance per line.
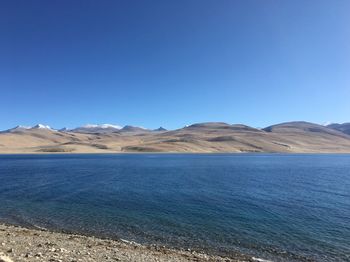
x=16 y=129
x=133 y=129
x=91 y=129
x=344 y=128
x=301 y=126
x=291 y=137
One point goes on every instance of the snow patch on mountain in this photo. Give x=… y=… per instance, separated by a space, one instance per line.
x=22 y=127
x=102 y=126
x=41 y=126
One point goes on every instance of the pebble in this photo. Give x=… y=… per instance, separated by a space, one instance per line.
x=5 y=259
x=39 y=254
x=38 y=246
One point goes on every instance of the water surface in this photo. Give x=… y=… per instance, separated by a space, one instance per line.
x=278 y=207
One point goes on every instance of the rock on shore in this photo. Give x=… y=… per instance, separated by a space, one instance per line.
x=21 y=244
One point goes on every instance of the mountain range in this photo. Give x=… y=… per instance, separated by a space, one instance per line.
x=210 y=137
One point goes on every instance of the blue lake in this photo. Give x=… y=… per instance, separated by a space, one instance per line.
x=272 y=206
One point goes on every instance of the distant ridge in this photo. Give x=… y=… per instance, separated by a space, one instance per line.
x=17 y=129
x=92 y=128
x=41 y=126
x=129 y=128
x=345 y=127
x=301 y=126
x=208 y=137
x=159 y=129
x=21 y=128
x=209 y=125
x=221 y=125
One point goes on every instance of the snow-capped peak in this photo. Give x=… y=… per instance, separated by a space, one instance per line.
x=102 y=126
x=41 y=126
x=16 y=128
x=22 y=127
x=109 y=125
x=327 y=123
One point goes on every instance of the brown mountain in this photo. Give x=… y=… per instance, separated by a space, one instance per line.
x=215 y=137
x=345 y=128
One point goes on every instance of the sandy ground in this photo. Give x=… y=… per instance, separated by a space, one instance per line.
x=21 y=244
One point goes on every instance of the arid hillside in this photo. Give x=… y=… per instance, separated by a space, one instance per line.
x=212 y=137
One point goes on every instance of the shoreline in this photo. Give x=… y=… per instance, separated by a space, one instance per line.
x=174 y=153
x=18 y=243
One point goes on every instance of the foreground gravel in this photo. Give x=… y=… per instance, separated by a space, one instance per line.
x=21 y=244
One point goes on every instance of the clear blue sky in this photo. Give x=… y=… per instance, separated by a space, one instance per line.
x=171 y=63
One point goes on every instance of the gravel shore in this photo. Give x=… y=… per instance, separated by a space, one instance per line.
x=22 y=244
